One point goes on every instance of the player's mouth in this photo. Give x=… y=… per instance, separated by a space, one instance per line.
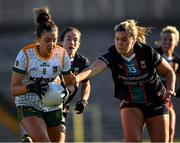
x=50 y=48
x=71 y=48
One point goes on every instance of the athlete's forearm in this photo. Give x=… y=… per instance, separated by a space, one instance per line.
x=171 y=80
x=85 y=91
x=17 y=86
x=18 y=90
x=97 y=67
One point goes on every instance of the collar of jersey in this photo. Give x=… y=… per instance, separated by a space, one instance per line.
x=128 y=59
x=41 y=57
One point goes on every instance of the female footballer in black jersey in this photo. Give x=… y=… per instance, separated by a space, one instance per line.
x=70 y=40
x=169 y=41
x=135 y=67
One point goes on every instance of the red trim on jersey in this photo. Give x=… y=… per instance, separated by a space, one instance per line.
x=142 y=86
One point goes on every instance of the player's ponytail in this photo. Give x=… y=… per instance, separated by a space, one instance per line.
x=138 y=33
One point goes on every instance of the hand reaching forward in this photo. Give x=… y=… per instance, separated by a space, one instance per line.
x=168 y=95
x=70 y=79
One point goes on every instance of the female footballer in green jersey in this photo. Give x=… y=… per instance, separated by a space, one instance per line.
x=36 y=65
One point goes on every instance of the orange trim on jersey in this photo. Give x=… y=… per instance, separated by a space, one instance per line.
x=30 y=46
x=63 y=58
x=41 y=57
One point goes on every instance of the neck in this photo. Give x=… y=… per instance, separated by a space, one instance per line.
x=168 y=53
x=43 y=53
x=129 y=53
x=72 y=55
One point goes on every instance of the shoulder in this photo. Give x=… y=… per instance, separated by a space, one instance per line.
x=81 y=58
x=59 y=48
x=28 y=47
x=159 y=50
x=60 y=51
x=111 y=52
x=142 y=48
x=110 y=56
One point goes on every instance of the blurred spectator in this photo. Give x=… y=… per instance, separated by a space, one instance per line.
x=166 y=46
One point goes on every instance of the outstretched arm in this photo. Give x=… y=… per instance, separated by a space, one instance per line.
x=97 y=67
x=85 y=90
x=85 y=93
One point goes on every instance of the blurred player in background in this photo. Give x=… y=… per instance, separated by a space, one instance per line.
x=36 y=65
x=135 y=67
x=70 y=40
x=166 y=46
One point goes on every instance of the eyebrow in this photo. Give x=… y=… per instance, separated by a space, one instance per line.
x=69 y=36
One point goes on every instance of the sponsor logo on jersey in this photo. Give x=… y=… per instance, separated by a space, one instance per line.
x=34 y=69
x=44 y=65
x=41 y=79
x=55 y=69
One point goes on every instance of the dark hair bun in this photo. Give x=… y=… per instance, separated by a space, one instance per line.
x=43 y=18
x=41 y=15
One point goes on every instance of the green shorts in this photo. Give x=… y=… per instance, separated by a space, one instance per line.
x=52 y=118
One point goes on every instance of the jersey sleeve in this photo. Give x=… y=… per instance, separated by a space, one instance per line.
x=86 y=65
x=66 y=64
x=20 y=65
x=156 y=57
x=106 y=58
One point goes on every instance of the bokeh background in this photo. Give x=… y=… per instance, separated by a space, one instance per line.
x=96 y=20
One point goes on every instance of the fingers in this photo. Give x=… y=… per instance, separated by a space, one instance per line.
x=71 y=79
x=169 y=94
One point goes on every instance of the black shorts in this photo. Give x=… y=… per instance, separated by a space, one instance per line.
x=148 y=109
